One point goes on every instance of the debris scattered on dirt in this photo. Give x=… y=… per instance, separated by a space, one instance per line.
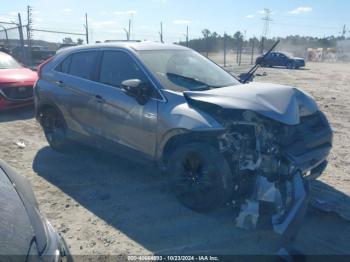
x=20 y=144
x=325 y=198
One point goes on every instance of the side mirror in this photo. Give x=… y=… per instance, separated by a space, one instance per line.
x=137 y=89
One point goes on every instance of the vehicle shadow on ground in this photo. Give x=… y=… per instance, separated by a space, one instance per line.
x=327 y=198
x=15 y=114
x=134 y=198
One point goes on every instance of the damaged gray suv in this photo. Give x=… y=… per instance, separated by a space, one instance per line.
x=218 y=140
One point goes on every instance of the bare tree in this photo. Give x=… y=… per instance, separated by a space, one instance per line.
x=67 y=40
x=80 y=41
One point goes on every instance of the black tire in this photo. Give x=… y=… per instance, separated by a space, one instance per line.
x=55 y=129
x=200 y=177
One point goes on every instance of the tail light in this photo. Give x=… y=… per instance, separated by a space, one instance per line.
x=40 y=67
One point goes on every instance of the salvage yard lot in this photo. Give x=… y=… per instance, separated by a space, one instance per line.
x=104 y=204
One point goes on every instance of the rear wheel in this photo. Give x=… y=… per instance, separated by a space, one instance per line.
x=55 y=129
x=200 y=176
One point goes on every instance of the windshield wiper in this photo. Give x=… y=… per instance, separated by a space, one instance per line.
x=201 y=84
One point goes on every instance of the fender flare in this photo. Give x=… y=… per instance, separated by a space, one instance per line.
x=184 y=134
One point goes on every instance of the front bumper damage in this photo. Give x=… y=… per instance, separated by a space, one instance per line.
x=278 y=161
x=285 y=223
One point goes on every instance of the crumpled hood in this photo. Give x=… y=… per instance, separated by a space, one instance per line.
x=281 y=103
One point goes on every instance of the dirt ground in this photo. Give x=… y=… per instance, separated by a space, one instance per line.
x=104 y=205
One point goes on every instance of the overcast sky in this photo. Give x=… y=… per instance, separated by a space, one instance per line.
x=108 y=18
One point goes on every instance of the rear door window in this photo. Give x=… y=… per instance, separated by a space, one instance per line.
x=83 y=64
x=117 y=66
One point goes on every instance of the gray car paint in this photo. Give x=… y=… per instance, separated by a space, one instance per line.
x=278 y=102
x=148 y=128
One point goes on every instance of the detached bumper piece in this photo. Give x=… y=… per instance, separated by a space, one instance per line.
x=289 y=200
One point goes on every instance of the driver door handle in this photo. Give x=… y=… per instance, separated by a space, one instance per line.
x=100 y=99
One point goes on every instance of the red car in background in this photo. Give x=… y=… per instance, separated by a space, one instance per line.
x=16 y=83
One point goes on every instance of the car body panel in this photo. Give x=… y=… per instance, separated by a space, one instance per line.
x=16 y=86
x=278 y=102
x=15 y=227
x=21 y=76
x=21 y=223
x=179 y=117
x=148 y=128
x=280 y=59
x=127 y=122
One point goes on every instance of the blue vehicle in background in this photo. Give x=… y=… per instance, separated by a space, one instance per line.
x=280 y=59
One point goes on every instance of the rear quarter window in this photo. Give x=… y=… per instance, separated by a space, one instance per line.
x=81 y=64
x=63 y=67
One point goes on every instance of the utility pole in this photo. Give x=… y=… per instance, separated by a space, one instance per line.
x=240 y=51
x=21 y=39
x=343 y=32
x=127 y=31
x=207 y=45
x=127 y=34
x=86 y=28
x=252 y=57
x=29 y=25
x=161 y=32
x=225 y=49
x=187 y=35
x=29 y=32
x=266 y=28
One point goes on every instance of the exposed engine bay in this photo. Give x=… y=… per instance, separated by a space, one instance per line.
x=271 y=166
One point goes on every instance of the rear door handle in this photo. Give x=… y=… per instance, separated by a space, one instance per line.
x=99 y=99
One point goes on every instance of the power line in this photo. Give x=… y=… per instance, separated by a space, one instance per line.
x=56 y=32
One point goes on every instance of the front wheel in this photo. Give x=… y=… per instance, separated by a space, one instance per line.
x=290 y=65
x=200 y=177
x=54 y=128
